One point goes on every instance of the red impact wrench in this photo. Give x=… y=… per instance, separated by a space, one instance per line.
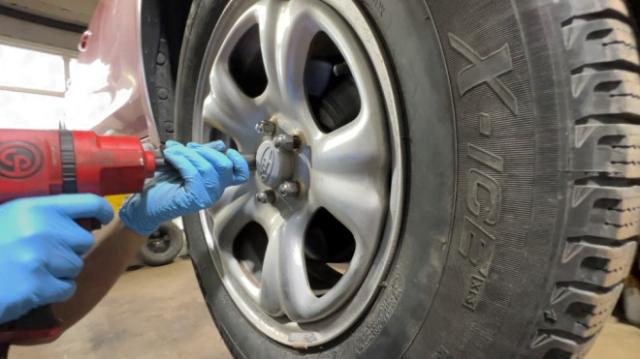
x=50 y=162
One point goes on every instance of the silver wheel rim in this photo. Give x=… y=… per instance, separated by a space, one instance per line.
x=353 y=172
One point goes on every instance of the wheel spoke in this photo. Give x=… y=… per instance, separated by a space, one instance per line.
x=285 y=284
x=349 y=176
x=269 y=298
x=357 y=149
x=232 y=113
x=296 y=294
x=228 y=108
x=269 y=17
x=231 y=214
x=357 y=201
x=286 y=31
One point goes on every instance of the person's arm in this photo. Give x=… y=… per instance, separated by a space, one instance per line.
x=204 y=172
x=116 y=246
x=41 y=250
x=46 y=258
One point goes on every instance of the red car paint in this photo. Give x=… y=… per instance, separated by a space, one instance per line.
x=108 y=89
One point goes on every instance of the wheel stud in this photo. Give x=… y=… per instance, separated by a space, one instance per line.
x=266 y=197
x=287 y=143
x=266 y=127
x=289 y=189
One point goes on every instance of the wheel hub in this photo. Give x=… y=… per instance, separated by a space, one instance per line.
x=274 y=166
x=275 y=163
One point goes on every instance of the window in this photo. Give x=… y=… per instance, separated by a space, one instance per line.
x=33 y=83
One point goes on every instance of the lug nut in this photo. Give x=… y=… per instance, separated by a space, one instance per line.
x=266 y=127
x=287 y=143
x=289 y=189
x=341 y=70
x=266 y=197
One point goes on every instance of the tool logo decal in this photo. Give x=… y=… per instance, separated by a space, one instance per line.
x=19 y=160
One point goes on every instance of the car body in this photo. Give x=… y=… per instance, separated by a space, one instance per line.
x=110 y=74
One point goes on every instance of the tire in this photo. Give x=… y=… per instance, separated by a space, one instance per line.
x=520 y=122
x=173 y=235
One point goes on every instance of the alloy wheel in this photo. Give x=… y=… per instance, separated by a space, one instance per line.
x=303 y=246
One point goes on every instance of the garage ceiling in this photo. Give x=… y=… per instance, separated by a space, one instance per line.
x=76 y=12
x=54 y=24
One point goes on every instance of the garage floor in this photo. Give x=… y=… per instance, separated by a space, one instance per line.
x=159 y=313
x=154 y=313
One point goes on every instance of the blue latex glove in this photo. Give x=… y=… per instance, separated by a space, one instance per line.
x=205 y=171
x=41 y=249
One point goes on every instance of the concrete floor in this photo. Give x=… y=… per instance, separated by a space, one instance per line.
x=159 y=313
x=151 y=313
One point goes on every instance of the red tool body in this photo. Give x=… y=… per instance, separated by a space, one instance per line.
x=40 y=163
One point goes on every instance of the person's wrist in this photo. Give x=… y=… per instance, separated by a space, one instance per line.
x=143 y=228
x=133 y=218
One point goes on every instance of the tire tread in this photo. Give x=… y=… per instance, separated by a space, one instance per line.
x=604 y=216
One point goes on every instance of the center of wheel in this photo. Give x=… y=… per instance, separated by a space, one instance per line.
x=274 y=165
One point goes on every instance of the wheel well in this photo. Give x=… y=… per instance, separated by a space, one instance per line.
x=162 y=30
x=163 y=20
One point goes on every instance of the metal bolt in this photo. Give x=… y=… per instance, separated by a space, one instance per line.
x=161 y=59
x=287 y=143
x=266 y=128
x=289 y=189
x=163 y=93
x=341 y=70
x=266 y=197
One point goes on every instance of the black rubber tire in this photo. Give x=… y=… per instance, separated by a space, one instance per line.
x=521 y=218
x=176 y=237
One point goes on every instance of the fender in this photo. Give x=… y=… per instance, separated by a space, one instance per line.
x=108 y=92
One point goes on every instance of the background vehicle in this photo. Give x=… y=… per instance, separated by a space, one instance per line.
x=465 y=170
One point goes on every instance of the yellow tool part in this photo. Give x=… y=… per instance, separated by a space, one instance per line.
x=116 y=201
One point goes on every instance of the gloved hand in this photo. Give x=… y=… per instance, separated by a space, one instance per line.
x=205 y=171
x=41 y=249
